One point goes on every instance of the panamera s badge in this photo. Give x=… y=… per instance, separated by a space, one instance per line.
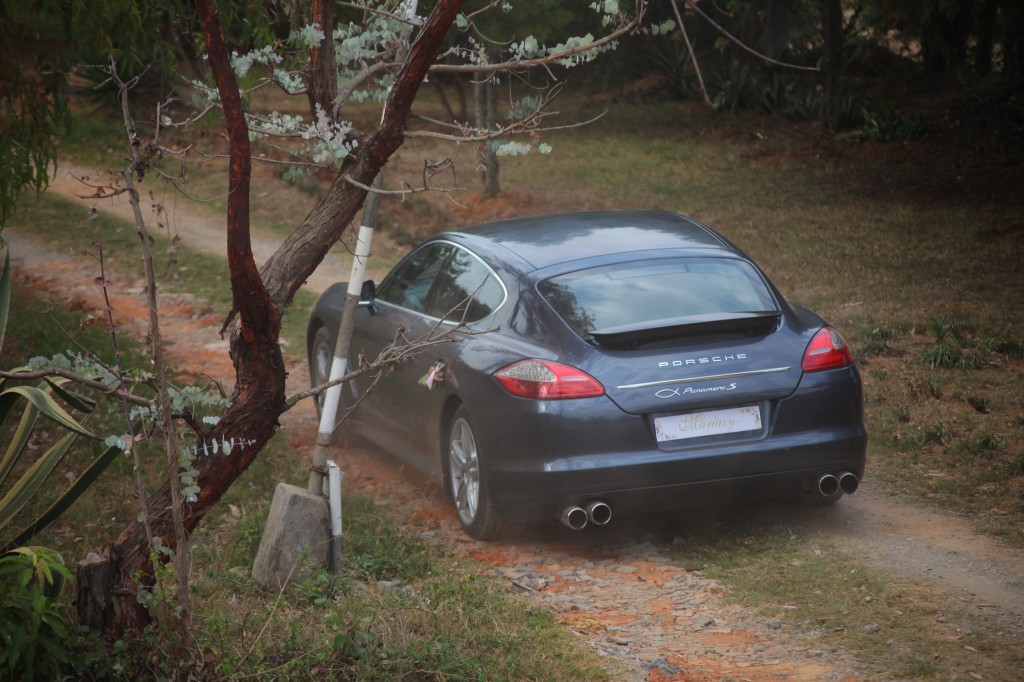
x=690 y=390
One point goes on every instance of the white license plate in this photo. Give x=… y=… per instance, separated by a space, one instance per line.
x=712 y=423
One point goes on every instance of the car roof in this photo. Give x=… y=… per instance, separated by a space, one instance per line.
x=551 y=239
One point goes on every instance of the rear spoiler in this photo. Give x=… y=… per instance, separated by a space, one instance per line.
x=756 y=323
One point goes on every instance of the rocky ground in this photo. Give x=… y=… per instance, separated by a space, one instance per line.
x=615 y=587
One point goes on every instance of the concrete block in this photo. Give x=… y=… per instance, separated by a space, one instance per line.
x=295 y=539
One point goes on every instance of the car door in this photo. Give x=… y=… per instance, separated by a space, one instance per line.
x=437 y=288
x=401 y=298
x=465 y=293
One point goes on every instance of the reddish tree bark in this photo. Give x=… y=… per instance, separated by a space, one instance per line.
x=107 y=583
x=322 y=80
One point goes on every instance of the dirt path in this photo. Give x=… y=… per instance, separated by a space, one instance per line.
x=193 y=222
x=921 y=544
x=618 y=591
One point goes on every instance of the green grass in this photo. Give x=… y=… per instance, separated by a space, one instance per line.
x=403 y=607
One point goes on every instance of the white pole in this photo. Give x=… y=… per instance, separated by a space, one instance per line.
x=334 y=475
x=339 y=364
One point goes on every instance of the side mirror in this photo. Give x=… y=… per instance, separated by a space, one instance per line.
x=368 y=297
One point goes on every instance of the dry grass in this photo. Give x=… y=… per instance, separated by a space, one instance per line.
x=872 y=235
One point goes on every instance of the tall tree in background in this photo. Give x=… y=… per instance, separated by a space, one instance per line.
x=543 y=20
x=832 y=36
x=954 y=36
x=34 y=95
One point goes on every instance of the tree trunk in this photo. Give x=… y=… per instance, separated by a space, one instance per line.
x=439 y=88
x=832 y=32
x=460 y=90
x=323 y=76
x=493 y=186
x=1013 y=39
x=985 y=37
x=944 y=33
x=107 y=596
x=484 y=97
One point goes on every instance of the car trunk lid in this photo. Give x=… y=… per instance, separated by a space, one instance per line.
x=696 y=363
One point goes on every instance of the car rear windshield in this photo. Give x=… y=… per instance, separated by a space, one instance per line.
x=651 y=291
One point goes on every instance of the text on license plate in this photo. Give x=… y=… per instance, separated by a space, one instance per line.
x=712 y=423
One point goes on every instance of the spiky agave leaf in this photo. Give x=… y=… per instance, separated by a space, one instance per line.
x=5 y=296
x=82 y=403
x=62 y=503
x=18 y=440
x=28 y=486
x=39 y=402
x=46 y=405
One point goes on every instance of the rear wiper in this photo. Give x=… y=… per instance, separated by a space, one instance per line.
x=753 y=323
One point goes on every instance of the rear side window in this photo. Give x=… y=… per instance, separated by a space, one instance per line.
x=409 y=284
x=655 y=290
x=465 y=289
x=444 y=281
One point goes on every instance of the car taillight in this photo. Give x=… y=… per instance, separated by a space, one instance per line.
x=827 y=350
x=546 y=380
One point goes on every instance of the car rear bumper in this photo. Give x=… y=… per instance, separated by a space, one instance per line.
x=573 y=452
x=778 y=471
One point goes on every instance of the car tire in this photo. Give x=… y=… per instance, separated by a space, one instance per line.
x=467 y=481
x=321 y=355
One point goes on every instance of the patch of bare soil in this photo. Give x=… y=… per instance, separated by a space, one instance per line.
x=616 y=589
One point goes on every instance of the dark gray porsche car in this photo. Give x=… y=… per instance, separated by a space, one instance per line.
x=637 y=360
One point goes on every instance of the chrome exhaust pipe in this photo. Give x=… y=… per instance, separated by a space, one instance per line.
x=599 y=513
x=828 y=485
x=574 y=517
x=848 y=482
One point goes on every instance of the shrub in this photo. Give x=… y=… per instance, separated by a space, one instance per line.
x=33 y=635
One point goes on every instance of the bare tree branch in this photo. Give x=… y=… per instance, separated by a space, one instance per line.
x=517 y=64
x=137 y=166
x=115 y=390
x=392 y=354
x=743 y=46
x=693 y=56
x=411 y=21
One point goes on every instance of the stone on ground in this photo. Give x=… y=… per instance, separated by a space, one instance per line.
x=295 y=540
